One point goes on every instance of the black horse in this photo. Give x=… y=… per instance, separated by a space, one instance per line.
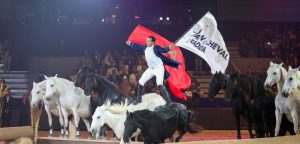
x=102 y=87
x=239 y=106
x=159 y=125
x=259 y=101
x=105 y=88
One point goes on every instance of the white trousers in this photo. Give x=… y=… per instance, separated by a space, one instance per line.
x=150 y=72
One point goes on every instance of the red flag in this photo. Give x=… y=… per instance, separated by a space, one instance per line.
x=179 y=79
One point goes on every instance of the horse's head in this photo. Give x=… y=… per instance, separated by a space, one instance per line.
x=51 y=87
x=37 y=93
x=217 y=83
x=130 y=127
x=274 y=74
x=231 y=85
x=292 y=82
x=81 y=75
x=98 y=119
x=90 y=83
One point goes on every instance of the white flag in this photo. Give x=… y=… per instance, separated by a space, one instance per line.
x=205 y=40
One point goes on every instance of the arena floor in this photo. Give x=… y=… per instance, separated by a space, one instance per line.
x=203 y=135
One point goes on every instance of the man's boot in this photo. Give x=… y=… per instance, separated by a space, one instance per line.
x=138 y=95
x=165 y=94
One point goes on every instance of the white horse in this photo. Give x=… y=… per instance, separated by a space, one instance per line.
x=115 y=115
x=38 y=94
x=290 y=103
x=276 y=75
x=72 y=100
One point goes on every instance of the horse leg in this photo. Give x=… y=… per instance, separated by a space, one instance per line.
x=87 y=124
x=267 y=126
x=236 y=113
x=103 y=132
x=278 y=121
x=66 y=122
x=61 y=121
x=249 y=123
x=49 y=120
x=181 y=133
x=76 y=120
x=295 y=120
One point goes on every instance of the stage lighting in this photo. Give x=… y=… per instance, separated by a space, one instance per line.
x=167 y=18
x=161 y=18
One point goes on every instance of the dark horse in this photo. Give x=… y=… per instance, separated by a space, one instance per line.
x=239 y=106
x=159 y=125
x=259 y=101
x=104 y=89
x=93 y=82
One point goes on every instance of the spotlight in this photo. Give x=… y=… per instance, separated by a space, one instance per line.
x=161 y=18
x=167 y=18
x=102 y=20
x=189 y=10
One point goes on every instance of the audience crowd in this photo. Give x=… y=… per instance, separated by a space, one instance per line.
x=282 y=44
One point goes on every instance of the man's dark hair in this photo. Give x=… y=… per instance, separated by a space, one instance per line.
x=152 y=38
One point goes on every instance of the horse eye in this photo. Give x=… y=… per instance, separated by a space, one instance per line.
x=98 y=117
x=274 y=73
x=52 y=85
x=38 y=92
x=290 y=79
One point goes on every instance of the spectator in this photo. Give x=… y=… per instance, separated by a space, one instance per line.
x=7 y=110
x=25 y=111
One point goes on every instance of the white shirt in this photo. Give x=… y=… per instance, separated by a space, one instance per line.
x=152 y=60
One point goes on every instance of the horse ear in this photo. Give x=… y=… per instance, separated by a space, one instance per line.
x=55 y=76
x=271 y=63
x=281 y=64
x=290 y=68
x=131 y=114
x=127 y=113
x=34 y=83
x=45 y=77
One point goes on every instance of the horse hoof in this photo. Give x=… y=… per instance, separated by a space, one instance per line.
x=50 y=135
x=90 y=137
x=62 y=136
x=113 y=139
x=66 y=136
x=239 y=137
x=103 y=138
x=77 y=137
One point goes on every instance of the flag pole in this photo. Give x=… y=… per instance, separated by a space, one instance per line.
x=192 y=26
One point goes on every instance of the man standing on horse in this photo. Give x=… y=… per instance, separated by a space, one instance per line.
x=155 y=61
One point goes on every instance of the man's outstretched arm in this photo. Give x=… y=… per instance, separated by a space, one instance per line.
x=136 y=46
x=166 y=49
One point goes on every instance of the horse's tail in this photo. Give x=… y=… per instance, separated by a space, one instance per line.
x=187 y=118
x=191 y=119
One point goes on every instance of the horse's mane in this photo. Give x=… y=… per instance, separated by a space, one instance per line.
x=283 y=73
x=65 y=81
x=252 y=85
x=116 y=108
x=106 y=83
x=111 y=87
x=245 y=83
